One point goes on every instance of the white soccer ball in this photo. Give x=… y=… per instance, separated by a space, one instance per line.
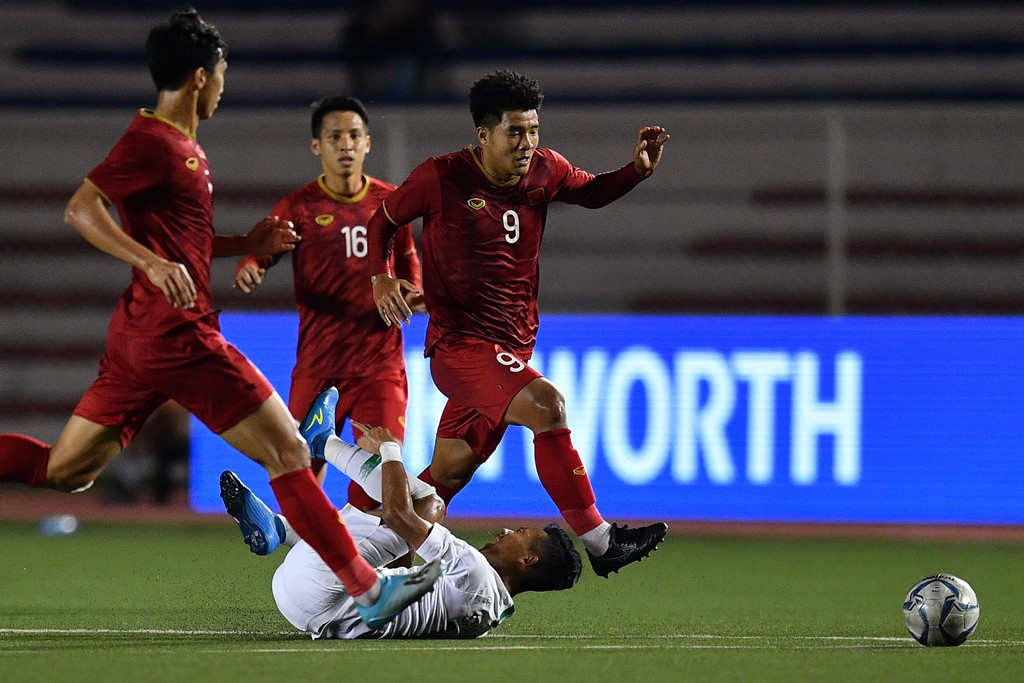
x=941 y=609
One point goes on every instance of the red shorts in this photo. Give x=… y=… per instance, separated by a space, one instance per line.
x=480 y=380
x=192 y=364
x=378 y=401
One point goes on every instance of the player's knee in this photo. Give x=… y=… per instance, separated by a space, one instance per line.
x=69 y=482
x=549 y=409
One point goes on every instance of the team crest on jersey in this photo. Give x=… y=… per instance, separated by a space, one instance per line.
x=476 y=203
x=192 y=163
x=324 y=219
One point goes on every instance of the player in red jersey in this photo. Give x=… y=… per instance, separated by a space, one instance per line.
x=342 y=340
x=164 y=340
x=483 y=213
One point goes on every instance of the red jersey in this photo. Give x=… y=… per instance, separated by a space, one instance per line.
x=481 y=239
x=159 y=179
x=340 y=332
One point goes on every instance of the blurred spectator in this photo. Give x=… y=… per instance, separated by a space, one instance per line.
x=392 y=50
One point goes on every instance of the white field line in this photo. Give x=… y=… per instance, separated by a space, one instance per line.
x=682 y=640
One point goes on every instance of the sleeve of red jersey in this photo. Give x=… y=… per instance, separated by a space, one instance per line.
x=135 y=163
x=410 y=200
x=407 y=261
x=592 y=191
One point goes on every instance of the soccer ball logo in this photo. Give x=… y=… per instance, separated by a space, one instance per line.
x=941 y=610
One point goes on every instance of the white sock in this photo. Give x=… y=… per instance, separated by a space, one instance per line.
x=363 y=467
x=290 y=537
x=597 y=539
x=369 y=597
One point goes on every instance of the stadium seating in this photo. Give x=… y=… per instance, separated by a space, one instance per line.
x=924 y=98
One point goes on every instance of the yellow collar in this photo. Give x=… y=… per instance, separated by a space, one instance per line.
x=494 y=181
x=149 y=114
x=346 y=199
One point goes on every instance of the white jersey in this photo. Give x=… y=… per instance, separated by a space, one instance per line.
x=468 y=600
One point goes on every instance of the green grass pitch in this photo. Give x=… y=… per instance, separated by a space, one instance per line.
x=133 y=602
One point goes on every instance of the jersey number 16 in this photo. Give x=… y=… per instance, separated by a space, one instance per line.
x=355 y=241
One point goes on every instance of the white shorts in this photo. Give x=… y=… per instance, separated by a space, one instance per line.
x=310 y=595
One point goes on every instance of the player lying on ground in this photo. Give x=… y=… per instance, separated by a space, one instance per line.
x=474 y=593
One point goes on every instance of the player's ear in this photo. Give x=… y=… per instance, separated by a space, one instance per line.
x=314 y=146
x=530 y=560
x=369 y=143
x=199 y=78
x=482 y=134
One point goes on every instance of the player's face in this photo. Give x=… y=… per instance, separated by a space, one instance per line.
x=343 y=144
x=507 y=148
x=209 y=94
x=518 y=543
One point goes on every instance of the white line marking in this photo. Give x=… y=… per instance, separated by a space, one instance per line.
x=717 y=641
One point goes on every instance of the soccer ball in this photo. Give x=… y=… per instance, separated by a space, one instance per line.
x=941 y=609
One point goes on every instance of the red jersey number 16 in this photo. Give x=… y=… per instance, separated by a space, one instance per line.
x=355 y=241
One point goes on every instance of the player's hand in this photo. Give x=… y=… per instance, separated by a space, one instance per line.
x=390 y=300
x=647 y=150
x=416 y=302
x=248 y=274
x=373 y=437
x=271 y=236
x=174 y=281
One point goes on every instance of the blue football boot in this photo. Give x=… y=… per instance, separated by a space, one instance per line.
x=398 y=591
x=319 y=421
x=261 y=527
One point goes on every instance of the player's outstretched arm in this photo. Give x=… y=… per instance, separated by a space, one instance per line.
x=87 y=213
x=397 y=509
x=648 y=148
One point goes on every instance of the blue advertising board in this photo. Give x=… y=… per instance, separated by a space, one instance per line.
x=910 y=420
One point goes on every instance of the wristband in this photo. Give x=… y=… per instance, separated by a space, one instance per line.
x=390 y=452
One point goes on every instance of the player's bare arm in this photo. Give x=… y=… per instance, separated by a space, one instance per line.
x=647 y=150
x=270 y=237
x=389 y=295
x=397 y=508
x=87 y=213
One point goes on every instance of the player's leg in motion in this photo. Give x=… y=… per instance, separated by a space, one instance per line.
x=72 y=464
x=541 y=407
x=269 y=436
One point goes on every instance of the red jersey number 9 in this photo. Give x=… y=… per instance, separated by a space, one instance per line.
x=510 y=361
x=511 y=220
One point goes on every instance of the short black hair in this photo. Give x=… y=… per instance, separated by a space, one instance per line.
x=184 y=43
x=558 y=565
x=322 y=108
x=502 y=91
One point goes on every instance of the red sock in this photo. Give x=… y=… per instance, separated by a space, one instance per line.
x=318 y=523
x=358 y=498
x=565 y=479
x=23 y=459
x=446 y=494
